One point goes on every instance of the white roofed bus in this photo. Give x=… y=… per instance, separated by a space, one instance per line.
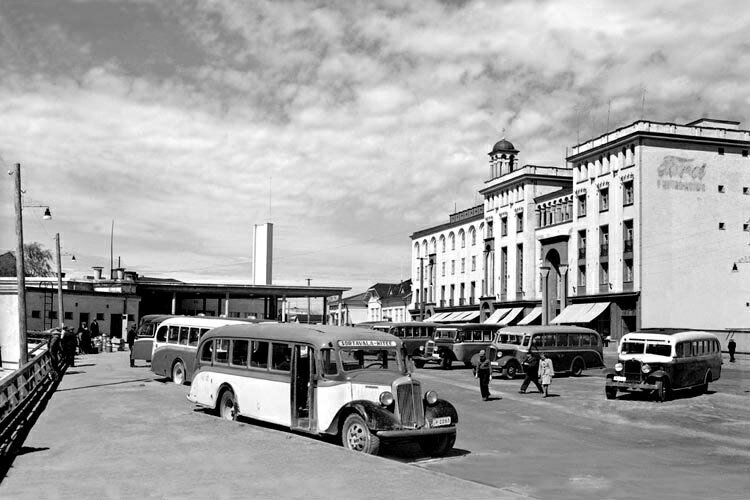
x=353 y=383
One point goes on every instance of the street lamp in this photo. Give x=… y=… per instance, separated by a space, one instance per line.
x=20 y=268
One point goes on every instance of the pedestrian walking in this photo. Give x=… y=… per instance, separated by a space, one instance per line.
x=530 y=367
x=131 y=341
x=69 y=344
x=94 y=329
x=55 y=349
x=732 y=346
x=546 y=372
x=84 y=338
x=483 y=371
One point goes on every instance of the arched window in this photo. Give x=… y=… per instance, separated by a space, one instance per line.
x=473 y=235
x=442 y=243
x=452 y=238
x=433 y=245
x=462 y=238
x=416 y=249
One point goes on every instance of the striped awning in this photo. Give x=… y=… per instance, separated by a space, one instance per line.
x=512 y=314
x=531 y=317
x=497 y=315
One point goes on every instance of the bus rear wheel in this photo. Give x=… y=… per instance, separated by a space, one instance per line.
x=178 y=373
x=576 y=368
x=227 y=405
x=437 y=446
x=356 y=436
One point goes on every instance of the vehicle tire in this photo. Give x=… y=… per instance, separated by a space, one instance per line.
x=610 y=392
x=446 y=362
x=437 y=446
x=178 y=373
x=577 y=367
x=227 y=408
x=356 y=436
x=703 y=388
x=663 y=391
x=510 y=371
x=468 y=364
x=419 y=363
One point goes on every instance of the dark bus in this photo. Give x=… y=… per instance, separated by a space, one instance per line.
x=413 y=334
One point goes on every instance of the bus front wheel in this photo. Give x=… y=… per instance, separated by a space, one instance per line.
x=227 y=405
x=610 y=392
x=419 y=363
x=663 y=391
x=437 y=446
x=356 y=436
x=178 y=373
x=510 y=371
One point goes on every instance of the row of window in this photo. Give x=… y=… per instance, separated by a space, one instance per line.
x=35 y=313
x=254 y=354
x=180 y=335
x=606 y=162
x=566 y=340
x=627 y=198
x=697 y=348
x=627 y=273
x=463 y=265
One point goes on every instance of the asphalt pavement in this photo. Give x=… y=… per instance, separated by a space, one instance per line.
x=111 y=431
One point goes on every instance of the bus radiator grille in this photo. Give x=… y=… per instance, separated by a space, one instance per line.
x=632 y=370
x=409 y=398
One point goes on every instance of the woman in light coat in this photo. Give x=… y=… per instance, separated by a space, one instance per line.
x=545 y=373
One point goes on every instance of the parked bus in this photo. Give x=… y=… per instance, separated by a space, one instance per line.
x=413 y=334
x=175 y=342
x=571 y=348
x=353 y=383
x=663 y=362
x=143 y=346
x=459 y=342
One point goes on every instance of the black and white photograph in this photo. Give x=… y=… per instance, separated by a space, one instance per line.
x=315 y=249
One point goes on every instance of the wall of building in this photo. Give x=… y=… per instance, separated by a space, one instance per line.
x=687 y=258
x=9 y=351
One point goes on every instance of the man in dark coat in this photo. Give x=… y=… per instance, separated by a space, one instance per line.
x=530 y=369
x=483 y=371
x=732 y=345
x=131 y=341
x=84 y=338
x=69 y=344
x=94 y=329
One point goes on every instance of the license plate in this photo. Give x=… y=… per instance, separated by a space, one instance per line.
x=437 y=422
x=619 y=378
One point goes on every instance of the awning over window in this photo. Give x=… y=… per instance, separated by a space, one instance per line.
x=513 y=314
x=496 y=316
x=467 y=316
x=596 y=309
x=569 y=314
x=531 y=317
x=437 y=317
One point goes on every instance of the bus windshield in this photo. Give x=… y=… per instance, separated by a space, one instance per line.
x=445 y=334
x=648 y=348
x=370 y=358
x=507 y=338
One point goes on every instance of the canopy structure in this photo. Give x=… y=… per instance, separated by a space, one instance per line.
x=531 y=317
x=497 y=315
x=510 y=316
x=580 y=313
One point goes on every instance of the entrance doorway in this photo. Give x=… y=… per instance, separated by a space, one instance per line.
x=553 y=285
x=302 y=387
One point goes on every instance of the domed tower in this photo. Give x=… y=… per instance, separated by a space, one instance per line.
x=503 y=158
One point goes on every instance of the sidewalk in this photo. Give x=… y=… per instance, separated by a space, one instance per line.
x=111 y=431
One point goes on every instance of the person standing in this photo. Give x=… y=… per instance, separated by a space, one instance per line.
x=94 y=329
x=531 y=370
x=483 y=371
x=69 y=342
x=131 y=341
x=731 y=346
x=546 y=372
x=84 y=338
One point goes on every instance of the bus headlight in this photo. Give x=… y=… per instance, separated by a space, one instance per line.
x=386 y=398
x=618 y=367
x=431 y=397
x=645 y=368
x=421 y=348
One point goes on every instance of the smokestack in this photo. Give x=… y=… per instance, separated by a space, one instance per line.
x=97 y=273
x=262 y=253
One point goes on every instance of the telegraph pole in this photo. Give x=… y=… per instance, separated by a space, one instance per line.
x=308 y=301
x=421 y=287
x=60 y=311
x=20 y=273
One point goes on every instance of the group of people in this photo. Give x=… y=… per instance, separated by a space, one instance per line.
x=85 y=335
x=537 y=368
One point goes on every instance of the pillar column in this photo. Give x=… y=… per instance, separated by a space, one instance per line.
x=226 y=304
x=544 y=271
x=174 y=302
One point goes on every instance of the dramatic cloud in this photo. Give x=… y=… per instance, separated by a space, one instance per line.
x=349 y=125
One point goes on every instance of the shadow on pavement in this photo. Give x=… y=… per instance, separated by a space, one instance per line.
x=30 y=449
x=105 y=385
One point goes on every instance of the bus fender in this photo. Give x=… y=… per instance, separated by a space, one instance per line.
x=441 y=408
x=504 y=360
x=376 y=416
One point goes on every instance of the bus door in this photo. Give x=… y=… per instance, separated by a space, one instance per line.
x=303 y=371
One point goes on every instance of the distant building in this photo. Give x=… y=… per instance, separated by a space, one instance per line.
x=349 y=310
x=381 y=302
x=647 y=226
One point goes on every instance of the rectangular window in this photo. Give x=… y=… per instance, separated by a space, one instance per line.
x=721 y=189
x=100 y=316
x=504 y=226
x=239 y=352
x=53 y=314
x=443 y=268
x=627 y=236
x=582 y=275
x=453 y=267
x=519 y=222
x=463 y=265
x=195 y=335
x=627 y=193
x=721 y=151
x=504 y=269
x=173 y=334
x=68 y=315
x=222 y=351
x=259 y=355
x=519 y=268
x=582 y=244
x=604 y=273
x=36 y=314
x=474 y=263
x=184 y=334
x=745 y=153
x=604 y=241
x=207 y=353
x=627 y=272
x=604 y=199
x=582 y=205
x=130 y=317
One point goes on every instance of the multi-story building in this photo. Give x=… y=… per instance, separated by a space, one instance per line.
x=647 y=226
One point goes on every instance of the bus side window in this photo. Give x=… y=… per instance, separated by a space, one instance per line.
x=574 y=339
x=207 y=353
x=487 y=335
x=173 y=335
x=595 y=340
x=222 y=351
x=184 y=333
x=259 y=356
x=536 y=341
x=281 y=355
x=194 y=336
x=562 y=339
x=161 y=334
x=239 y=352
x=585 y=339
x=328 y=361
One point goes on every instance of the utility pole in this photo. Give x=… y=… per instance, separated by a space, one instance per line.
x=20 y=272
x=421 y=287
x=308 y=301
x=60 y=311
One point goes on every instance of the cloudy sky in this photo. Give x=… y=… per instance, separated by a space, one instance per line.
x=347 y=124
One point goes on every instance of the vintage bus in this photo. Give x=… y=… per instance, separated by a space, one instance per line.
x=459 y=343
x=143 y=347
x=413 y=334
x=664 y=362
x=353 y=383
x=175 y=342
x=572 y=349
